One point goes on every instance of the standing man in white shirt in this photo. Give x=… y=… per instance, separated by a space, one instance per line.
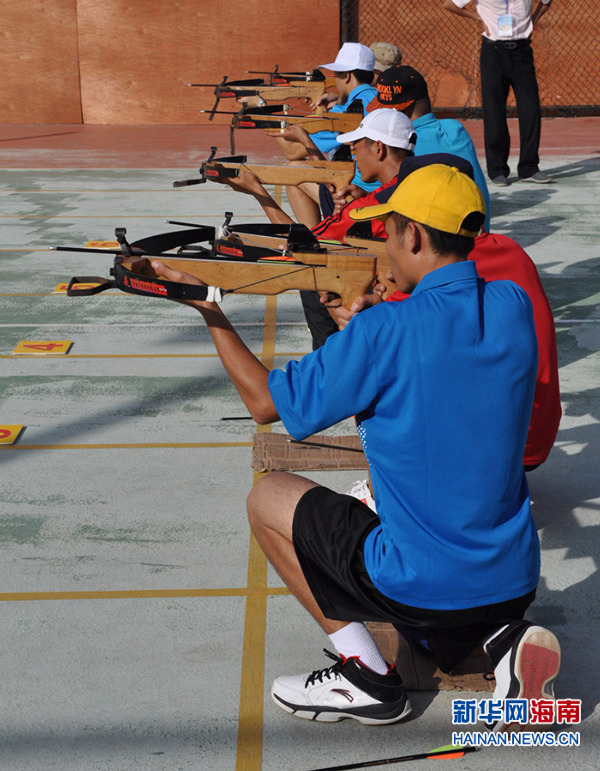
x=507 y=60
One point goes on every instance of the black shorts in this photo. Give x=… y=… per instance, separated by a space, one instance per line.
x=329 y=532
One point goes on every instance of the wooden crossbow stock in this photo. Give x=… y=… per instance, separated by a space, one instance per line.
x=359 y=237
x=336 y=173
x=245 y=259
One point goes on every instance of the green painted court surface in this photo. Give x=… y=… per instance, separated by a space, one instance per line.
x=141 y=626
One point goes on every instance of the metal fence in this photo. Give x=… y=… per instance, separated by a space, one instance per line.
x=445 y=49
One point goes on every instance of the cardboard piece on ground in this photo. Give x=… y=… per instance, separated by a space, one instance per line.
x=420 y=673
x=276 y=452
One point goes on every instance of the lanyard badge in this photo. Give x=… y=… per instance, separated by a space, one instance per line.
x=506 y=23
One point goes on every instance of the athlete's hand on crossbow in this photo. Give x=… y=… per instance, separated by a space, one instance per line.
x=344 y=195
x=162 y=271
x=245 y=182
x=251 y=101
x=341 y=315
x=297 y=133
x=326 y=100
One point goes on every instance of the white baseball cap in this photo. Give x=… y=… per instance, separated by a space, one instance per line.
x=352 y=56
x=391 y=127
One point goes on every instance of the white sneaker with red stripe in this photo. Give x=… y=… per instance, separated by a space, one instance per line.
x=526 y=661
x=347 y=689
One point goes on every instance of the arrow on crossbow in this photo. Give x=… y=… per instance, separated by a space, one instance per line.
x=279 y=78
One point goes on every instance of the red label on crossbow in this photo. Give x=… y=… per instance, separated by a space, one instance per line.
x=231 y=250
x=246 y=123
x=144 y=286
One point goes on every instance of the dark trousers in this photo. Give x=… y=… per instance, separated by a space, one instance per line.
x=318 y=320
x=501 y=68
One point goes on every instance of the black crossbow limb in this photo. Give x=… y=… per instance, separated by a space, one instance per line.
x=243 y=259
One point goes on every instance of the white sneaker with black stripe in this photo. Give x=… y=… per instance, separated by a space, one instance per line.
x=347 y=689
x=526 y=661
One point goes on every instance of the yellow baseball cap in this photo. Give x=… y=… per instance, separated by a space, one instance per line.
x=436 y=195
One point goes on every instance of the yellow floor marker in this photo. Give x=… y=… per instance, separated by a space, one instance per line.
x=9 y=434
x=62 y=288
x=102 y=245
x=43 y=347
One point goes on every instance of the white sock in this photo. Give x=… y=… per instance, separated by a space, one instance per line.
x=354 y=639
x=493 y=637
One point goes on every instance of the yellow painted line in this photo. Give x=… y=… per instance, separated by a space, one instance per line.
x=145 y=356
x=148 y=355
x=130 y=356
x=127 y=446
x=133 y=594
x=250 y=722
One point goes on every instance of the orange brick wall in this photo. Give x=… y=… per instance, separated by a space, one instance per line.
x=128 y=62
x=38 y=62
